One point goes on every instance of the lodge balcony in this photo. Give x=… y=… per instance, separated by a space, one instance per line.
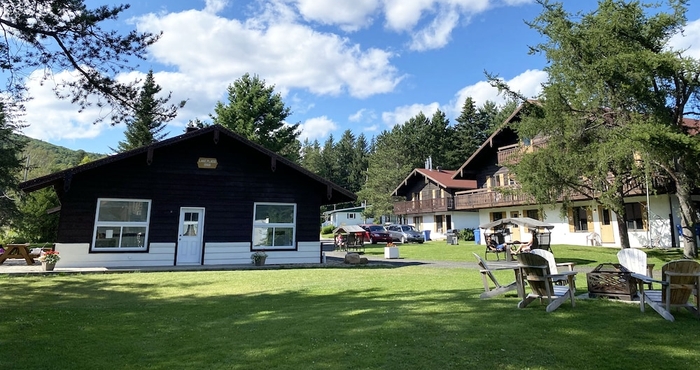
x=509 y=196
x=424 y=206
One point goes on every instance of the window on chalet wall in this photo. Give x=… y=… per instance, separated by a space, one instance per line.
x=274 y=225
x=121 y=225
x=495 y=216
x=533 y=213
x=418 y=222
x=580 y=219
x=635 y=216
x=351 y=216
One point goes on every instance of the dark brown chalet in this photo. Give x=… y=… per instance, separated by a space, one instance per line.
x=205 y=197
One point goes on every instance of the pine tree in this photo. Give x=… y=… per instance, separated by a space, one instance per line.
x=146 y=127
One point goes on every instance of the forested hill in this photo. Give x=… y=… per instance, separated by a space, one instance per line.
x=46 y=158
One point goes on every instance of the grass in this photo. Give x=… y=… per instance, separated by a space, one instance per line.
x=581 y=255
x=413 y=317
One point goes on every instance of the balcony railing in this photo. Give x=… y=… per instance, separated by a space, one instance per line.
x=424 y=206
x=509 y=154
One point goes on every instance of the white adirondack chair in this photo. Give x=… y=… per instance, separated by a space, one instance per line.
x=635 y=260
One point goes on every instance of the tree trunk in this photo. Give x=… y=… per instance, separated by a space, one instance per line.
x=622 y=229
x=688 y=216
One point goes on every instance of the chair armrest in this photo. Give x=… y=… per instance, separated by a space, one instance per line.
x=565 y=273
x=647 y=279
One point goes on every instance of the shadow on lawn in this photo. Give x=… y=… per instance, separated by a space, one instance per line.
x=125 y=323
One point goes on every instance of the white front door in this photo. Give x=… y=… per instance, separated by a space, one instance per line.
x=189 y=240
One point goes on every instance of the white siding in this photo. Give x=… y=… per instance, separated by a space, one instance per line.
x=76 y=255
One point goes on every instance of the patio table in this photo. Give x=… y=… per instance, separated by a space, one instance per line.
x=17 y=251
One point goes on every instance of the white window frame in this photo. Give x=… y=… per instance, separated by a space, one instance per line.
x=121 y=225
x=351 y=216
x=267 y=225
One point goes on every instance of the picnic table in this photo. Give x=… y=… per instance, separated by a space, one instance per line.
x=13 y=251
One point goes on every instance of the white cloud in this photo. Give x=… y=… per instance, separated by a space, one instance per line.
x=214 y=51
x=215 y=6
x=316 y=128
x=689 y=40
x=402 y=114
x=437 y=34
x=51 y=118
x=528 y=83
x=348 y=15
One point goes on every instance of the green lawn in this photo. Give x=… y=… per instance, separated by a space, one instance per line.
x=412 y=317
x=581 y=255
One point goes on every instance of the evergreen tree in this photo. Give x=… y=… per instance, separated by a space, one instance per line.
x=146 y=127
x=616 y=89
x=10 y=164
x=257 y=113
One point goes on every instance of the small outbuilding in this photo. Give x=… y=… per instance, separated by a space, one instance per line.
x=206 y=197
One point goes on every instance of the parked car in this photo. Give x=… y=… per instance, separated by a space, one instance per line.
x=376 y=233
x=405 y=233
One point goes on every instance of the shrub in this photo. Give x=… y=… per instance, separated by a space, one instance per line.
x=328 y=229
x=467 y=234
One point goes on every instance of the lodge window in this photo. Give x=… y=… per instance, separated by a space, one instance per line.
x=580 y=219
x=121 y=225
x=634 y=216
x=533 y=213
x=495 y=216
x=274 y=225
x=351 y=216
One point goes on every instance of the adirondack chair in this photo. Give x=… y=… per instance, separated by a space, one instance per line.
x=679 y=279
x=554 y=266
x=635 y=260
x=535 y=270
x=486 y=275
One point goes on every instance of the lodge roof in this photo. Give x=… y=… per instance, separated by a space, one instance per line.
x=216 y=131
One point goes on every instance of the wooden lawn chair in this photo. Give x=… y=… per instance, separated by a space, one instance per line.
x=486 y=275
x=679 y=279
x=635 y=261
x=535 y=270
x=554 y=266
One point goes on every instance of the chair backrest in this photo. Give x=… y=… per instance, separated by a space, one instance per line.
x=681 y=286
x=549 y=257
x=634 y=260
x=535 y=269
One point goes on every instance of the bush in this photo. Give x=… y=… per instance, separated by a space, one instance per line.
x=467 y=234
x=328 y=229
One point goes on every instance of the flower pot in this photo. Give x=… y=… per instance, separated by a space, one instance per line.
x=260 y=261
x=45 y=266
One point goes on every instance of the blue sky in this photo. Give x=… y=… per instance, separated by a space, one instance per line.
x=363 y=65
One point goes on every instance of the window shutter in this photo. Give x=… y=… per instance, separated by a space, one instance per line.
x=589 y=218
x=572 y=228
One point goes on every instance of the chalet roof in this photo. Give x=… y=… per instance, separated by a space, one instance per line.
x=441 y=177
x=489 y=141
x=216 y=131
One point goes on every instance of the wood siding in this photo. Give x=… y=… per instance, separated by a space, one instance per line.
x=243 y=176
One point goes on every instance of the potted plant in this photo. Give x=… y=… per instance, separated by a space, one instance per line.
x=391 y=250
x=258 y=258
x=48 y=260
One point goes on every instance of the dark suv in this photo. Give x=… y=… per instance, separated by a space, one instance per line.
x=376 y=233
x=405 y=233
